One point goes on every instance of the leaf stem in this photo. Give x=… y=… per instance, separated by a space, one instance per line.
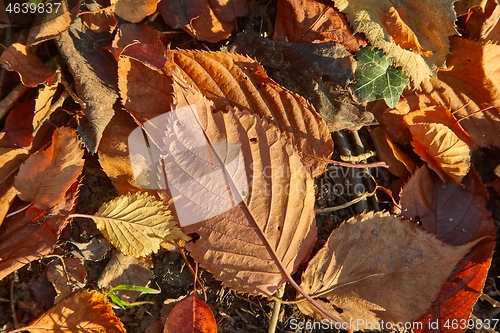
x=276 y=308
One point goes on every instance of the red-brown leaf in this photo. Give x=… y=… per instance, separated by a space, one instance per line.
x=191 y=315
x=179 y=13
x=19 y=123
x=457 y=215
x=31 y=69
x=33 y=233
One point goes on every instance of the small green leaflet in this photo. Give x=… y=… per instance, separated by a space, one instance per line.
x=375 y=80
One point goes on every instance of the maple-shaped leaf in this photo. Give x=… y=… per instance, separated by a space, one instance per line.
x=469 y=85
x=31 y=69
x=33 y=233
x=374 y=78
x=376 y=266
x=136 y=224
x=432 y=22
x=456 y=214
x=84 y=311
x=442 y=149
x=191 y=314
x=309 y=21
x=45 y=176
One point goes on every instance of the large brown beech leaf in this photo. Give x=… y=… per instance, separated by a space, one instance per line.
x=470 y=84
x=45 y=176
x=238 y=81
x=376 y=267
x=257 y=243
x=33 y=233
x=457 y=215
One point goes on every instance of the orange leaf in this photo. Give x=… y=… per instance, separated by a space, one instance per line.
x=238 y=81
x=457 y=215
x=208 y=27
x=33 y=233
x=401 y=33
x=443 y=151
x=441 y=115
x=191 y=315
x=229 y=10
x=20 y=58
x=45 y=176
x=82 y=312
x=312 y=21
x=228 y=80
x=471 y=83
x=399 y=163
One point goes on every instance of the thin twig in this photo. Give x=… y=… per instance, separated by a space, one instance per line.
x=276 y=309
x=13 y=300
x=365 y=195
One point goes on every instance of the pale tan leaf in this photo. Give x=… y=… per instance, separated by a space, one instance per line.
x=136 y=224
x=432 y=22
x=376 y=267
x=7 y=195
x=251 y=237
x=46 y=175
x=208 y=27
x=442 y=149
x=84 y=311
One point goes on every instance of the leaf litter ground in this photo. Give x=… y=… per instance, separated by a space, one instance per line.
x=237 y=313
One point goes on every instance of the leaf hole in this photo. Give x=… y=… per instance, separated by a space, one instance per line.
x=253 y=140
x=194 y=237
x=339 y=310
x=324 y=299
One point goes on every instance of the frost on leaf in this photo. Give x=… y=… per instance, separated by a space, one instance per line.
x=137 y=224
x=376 y=267
x=375 y=80
x=432 y=22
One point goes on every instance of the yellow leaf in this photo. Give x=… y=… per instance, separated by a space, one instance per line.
x=136 y=224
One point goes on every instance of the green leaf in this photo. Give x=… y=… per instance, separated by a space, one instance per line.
x=129 y=287
x=375 y=80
